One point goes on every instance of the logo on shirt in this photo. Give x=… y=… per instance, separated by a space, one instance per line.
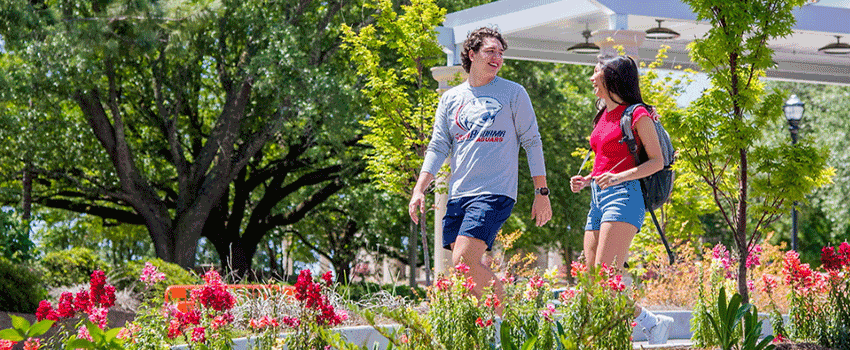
x=479 y=112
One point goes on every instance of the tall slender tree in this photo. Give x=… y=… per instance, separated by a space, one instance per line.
x=752 y=184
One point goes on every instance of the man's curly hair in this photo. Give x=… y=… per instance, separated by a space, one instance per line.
x=474 y=41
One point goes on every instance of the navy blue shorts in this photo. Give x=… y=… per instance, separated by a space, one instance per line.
x=621 y=203
x=478 y=217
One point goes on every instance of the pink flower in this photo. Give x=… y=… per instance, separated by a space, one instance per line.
x=221 y=320
x=444 y=284
x=174 y=328
x=83 y=333
x=721 y=256
x=32 y=344
x=469 y=284
x=6 y=344
x=577 y=268
x=151 y=275
x=212 y=277
x=124 y=334
x=199 y=335
x=292 y=322
x=548 y=312
x=567 y=295
x=98 y=316
x=770 y=283
x=492 y=301
x=462 y=268
x=616 y=283
x=754 y=258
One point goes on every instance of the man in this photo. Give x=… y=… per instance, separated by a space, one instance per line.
x=479 y=126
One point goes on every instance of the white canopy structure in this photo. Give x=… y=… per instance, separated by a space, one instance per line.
x=542 y=30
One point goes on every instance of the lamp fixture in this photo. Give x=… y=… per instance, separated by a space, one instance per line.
x=586 y=47
x=836 y=48
x=661 y=33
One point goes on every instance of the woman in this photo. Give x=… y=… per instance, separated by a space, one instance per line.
x=616 y=207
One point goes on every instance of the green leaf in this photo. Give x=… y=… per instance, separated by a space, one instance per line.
x=505 y=334
x=40 y=328
x=529 y=344
x=12 y=334
x=19 y=323
x=77 y=343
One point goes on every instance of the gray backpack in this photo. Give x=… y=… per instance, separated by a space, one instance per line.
x=657 y=187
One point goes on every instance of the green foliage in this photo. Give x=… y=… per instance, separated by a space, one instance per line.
x=21 y=289
x=101 y=339
x=127 y=276
x=22 y=329
x=401 y=98
x=70 y=267
x=728 y=319
x=752 y=184
x=731 y=319
x=15 y=243
x=595 y=315
x=508 y=343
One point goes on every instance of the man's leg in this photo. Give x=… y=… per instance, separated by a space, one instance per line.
x=470 y=251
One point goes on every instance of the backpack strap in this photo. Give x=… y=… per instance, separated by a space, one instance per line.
x=628 y=134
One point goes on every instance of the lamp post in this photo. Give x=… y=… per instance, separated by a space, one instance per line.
x=794 y=109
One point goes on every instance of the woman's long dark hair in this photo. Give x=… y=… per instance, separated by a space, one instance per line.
x=621 y=78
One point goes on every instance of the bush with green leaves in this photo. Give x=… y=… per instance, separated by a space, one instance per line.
x=70 y=267
x=15 y=243
x=20 y=288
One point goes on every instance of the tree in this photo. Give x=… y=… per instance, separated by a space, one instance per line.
x=752 y=184
x=394 y=57
x=216 y=119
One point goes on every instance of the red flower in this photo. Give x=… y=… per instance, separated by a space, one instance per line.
x=796 y=274
x=174 y=328
x=82 y=303
x=482 y=324
x=328 y=277
x=577 y=268
x=45 y=311
x=199 y=334
x=221 y=320
x=462 y=268
x=217 y=297
x=770 y=283
x=32 y=344
x=444 y=284
x=66 y=305
x=6 y=344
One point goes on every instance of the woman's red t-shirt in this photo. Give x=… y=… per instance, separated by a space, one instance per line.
x=611 y=154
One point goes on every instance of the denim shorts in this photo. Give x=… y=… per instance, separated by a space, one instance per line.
x=478 y=217
x=620 y=203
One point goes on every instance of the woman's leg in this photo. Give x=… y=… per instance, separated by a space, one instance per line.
x=591 y=241
x=613 y=244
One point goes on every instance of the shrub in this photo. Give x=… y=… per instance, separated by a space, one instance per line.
x=20 y=288
x=70 y=267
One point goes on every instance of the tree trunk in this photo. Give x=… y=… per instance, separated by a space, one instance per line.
x=412 y=253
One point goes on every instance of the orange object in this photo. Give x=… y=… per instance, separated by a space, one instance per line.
x=180 y=293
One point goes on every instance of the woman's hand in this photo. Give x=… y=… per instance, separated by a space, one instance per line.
x=608 y=179
x=579 y=182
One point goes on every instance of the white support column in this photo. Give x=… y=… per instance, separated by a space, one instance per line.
x=445 y=75
x=629 y=39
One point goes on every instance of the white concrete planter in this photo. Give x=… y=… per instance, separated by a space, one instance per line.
x=680 y=333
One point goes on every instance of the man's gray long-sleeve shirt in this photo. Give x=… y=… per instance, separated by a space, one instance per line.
x=481 y=129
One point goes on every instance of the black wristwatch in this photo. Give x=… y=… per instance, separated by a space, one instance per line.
x=543 y=191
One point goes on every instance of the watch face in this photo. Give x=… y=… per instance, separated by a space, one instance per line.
x=543 y=191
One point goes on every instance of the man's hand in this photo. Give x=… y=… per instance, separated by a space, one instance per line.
x=541 y=210
x=417 y=201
